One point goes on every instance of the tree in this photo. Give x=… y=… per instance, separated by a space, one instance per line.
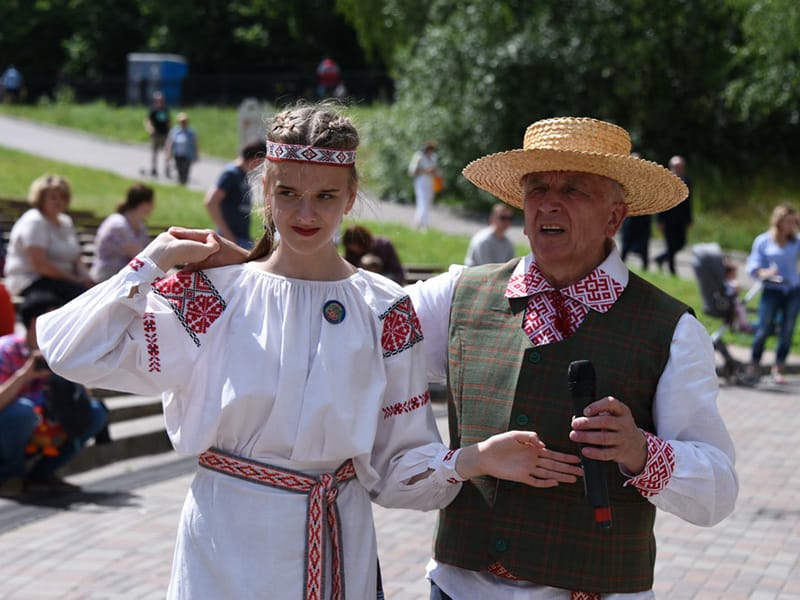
x=764 y=91
x=479 y=72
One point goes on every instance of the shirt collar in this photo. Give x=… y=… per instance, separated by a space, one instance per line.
x=527 y=280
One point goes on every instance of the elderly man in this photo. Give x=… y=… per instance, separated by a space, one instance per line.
x=504 y=336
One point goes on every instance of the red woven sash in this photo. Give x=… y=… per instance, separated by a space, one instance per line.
x=322 y=492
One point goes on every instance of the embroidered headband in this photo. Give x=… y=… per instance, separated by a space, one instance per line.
x=276 y=152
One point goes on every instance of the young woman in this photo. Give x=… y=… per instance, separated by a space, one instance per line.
x=298 y=379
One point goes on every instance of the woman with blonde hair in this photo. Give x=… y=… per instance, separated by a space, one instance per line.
x=43 y=250
x=773 y=260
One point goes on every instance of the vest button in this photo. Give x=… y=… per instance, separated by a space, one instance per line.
x=522 y=420
x=534 y=357
x=500 y=545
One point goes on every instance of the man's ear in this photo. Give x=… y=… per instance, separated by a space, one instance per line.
x=619 y=210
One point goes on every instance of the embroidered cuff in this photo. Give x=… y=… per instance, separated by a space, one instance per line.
x=142 y=271
x=144 y=265
x=659 y=467
x=446 y=462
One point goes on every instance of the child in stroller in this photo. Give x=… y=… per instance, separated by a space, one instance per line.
x=719 y=292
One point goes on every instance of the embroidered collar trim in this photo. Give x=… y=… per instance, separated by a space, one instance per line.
x=597 y=291
x=278 y=152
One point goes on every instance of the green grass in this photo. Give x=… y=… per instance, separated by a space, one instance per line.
x=97 y=190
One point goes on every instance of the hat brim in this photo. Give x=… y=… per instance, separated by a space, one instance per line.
x=649 y=187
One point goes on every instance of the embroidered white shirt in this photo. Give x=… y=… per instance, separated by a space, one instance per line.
x=297 y=374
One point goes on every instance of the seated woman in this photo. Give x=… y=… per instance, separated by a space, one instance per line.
x=358 y=241
x=43 y=251
x=123 y=234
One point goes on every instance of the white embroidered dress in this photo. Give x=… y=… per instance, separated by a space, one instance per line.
x=248 y=363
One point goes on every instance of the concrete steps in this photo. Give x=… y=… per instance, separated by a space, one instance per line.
x=136 y=424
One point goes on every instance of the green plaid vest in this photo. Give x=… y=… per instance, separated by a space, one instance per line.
x=498 y=381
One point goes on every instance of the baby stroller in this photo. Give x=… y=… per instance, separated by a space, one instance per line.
x=708 y=264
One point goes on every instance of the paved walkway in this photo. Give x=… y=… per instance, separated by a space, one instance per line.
x=115 y=539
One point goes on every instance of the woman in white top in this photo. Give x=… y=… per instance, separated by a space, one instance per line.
x=43 y=250
x=298 y=378
x=423 y=168
x=123 y=234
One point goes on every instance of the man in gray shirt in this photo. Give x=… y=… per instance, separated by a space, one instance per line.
x=490 y=244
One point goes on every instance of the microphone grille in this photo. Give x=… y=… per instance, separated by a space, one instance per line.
x=580 y=370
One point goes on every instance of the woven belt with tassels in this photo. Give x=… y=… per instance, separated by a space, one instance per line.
x=322 y=493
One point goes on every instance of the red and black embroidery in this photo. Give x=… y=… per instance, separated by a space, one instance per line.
x=150 y=336
x=401 y=327
x=194 y=299
x=136 y=263
x=658 y=469
x=414 y=403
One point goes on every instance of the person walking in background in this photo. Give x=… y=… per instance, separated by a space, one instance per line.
x=504 y=337
x=359 y=242
x=12 y=86
x=422 y=169
x=43 y=251
x=675 y=222
x=157 y=124
x=312 y=402
x=123 y=234
x=182 y=147
x=491 y=244
x=228 y=202
x=25 y=383
x=635 y=234
x=773 y=260
x=328 y=77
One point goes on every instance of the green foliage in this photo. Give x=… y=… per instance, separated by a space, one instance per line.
x=480 y=73
x=99 y=191
x=766 y=84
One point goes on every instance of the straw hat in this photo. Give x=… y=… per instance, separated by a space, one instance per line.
x=585 y=145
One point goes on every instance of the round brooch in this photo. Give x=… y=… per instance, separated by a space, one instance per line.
x=333 y=311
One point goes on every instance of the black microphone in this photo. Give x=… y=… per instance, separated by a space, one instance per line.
x=581 y=380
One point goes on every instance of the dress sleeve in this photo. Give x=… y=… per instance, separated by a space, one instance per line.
x=407 y=441
x=127 y=333
x=698 y=482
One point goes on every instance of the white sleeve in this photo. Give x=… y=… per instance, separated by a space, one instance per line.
x=432 y=299
x=703 y=486
x=407 y=441
x=119 y=335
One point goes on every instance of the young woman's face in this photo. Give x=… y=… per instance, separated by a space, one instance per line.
x=307 y=203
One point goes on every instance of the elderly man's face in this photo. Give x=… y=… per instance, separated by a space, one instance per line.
x=569 y=217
